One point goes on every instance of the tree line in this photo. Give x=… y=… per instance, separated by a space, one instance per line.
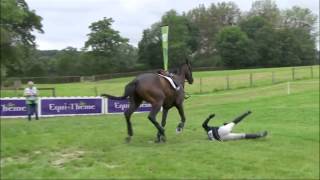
x=218 y=35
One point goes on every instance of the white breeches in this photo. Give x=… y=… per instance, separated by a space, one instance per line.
x=226 y=134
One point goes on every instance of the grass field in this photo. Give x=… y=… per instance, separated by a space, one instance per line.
x=92 y=147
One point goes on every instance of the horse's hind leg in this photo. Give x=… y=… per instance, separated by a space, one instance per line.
x=134 y=104
x=127 y=115
x=152 y=117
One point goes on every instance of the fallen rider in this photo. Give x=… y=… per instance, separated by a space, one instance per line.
x=224 y=132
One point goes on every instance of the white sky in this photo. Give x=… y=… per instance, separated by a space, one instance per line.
x=66 y=22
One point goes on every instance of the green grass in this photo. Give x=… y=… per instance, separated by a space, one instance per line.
x=91 y=147
x=211 y=81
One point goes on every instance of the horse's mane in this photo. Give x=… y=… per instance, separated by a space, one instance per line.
x=176 y=70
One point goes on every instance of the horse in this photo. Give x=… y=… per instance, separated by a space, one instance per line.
x=156 y=90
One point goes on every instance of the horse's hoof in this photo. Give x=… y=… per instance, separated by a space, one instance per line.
x=157 y=138
x=163 y=138
x=179 y=130
x=160 y=138
x=128 y=139
x=157 y=141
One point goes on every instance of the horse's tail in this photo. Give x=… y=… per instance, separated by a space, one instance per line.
x=129 y=91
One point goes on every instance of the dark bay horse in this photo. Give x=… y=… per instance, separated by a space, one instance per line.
x=156 y=90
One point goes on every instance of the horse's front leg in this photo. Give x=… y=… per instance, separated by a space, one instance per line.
x=164 y=117
x=183 y=118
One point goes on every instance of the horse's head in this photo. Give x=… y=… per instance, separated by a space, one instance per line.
x=186 y=68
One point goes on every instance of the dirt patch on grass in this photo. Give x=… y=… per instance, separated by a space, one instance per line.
x=66 y=156
x=58 y=159
x=37 y=152
x=13 y=160
x=111 y=166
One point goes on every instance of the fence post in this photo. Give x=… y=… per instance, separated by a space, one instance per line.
x=293 y=74
x=16 y=92
x=273 y=78
x=228 y=83
x=54 y=92
x=288 y=87
x=96 y=90
x=311 y=71
x=201 y=85
x=17 y=83
x=251 y=79
x=81 y=78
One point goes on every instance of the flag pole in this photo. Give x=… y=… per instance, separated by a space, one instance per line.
x=165 y=32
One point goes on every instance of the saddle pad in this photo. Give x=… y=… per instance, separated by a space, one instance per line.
x=170 y=81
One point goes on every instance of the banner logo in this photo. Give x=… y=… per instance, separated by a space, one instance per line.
x=119 y=106
x=71 y=106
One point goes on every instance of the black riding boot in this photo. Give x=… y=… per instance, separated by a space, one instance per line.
x=241 y=117
x=255 y=136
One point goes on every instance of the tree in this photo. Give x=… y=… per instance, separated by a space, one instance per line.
x=182 y=41
x=253 y=24
x=182 y=37
x=67 y=62
x=267 y=9
x=150 y=49
x=127 y=58
x=207 y=29
x=261 y=33
x=17 y=23
x=298 y=17
x=286 y=45
x=210 y=21
x=103 y=38
x=301 y=22
x=234 y=47
x=108 y=51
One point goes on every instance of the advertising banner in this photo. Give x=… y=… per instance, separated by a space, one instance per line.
x=65 y=106
x=13 y=107
x=71 y=106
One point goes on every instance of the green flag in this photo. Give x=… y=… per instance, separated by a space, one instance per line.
x=165 y=32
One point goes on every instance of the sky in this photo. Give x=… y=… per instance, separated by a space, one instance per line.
x=66 y=22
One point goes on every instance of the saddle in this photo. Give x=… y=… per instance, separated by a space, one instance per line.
x=169 y=78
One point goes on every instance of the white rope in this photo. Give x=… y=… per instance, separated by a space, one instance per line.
x=311 y=82
x=232 y=93
x=256 y=89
